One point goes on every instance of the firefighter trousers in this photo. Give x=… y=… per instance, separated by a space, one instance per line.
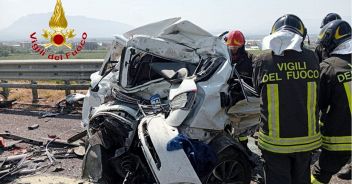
x=329 y=163
x=290 y=168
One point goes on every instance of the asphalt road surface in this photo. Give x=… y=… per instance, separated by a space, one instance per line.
x=64 y=126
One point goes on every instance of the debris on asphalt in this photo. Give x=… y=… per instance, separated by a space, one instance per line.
x=30 y=163
x=9 y=159
x=58 y=142
x=77 y=137
x=2 y=143
x=53 y=136
x=33 y=127
x=20 y=140
x=6 y=103
x=58 y=169
x=24 y=139
x=39 y=156
x=48 y=114
x=18 y=150
x=80 y=151
x=11 y=144
x=73 y=98
x=71 y=103
x=64 y=154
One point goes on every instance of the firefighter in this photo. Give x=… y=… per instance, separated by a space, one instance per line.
x=335 y=101
x=242 y=60
x=328 y=18
x=287 y=79
x=235 y=41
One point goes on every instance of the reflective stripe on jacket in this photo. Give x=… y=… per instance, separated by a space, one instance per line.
x=335 y=102
x=288 y=86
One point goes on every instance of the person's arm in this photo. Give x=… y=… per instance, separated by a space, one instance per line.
x=326 y=77
x=321 y=53
x=256 y=74
x=251 y=59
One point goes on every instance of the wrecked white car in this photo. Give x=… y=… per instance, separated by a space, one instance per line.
x=158 y=110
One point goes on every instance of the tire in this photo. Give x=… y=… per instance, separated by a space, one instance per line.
x=232 y=168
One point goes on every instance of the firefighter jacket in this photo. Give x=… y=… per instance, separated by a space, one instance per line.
x=288 y=86
x=244 y=64
x=335 y=102
x=321 y=53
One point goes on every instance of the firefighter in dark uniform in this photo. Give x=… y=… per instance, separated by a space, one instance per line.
x=335 y=101
x=242 y=60
x=287 y=80
x=319 y=50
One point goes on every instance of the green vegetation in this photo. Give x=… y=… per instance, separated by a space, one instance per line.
x=6 y=51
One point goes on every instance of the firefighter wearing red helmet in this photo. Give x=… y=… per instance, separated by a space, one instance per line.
x=235 y=41
x=242 y=62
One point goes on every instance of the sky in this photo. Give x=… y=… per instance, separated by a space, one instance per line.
x=250 y=16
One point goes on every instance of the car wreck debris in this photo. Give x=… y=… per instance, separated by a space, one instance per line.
x=33 y=127
x=39 y=157
x=23 y=139
x=4 y=103
x=70 y=103
x=76 y=137
x=2 y=143
x=158 y=82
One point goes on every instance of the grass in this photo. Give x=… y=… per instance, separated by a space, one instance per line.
x=48 y=97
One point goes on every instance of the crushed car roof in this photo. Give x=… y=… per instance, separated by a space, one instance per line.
x=182 y=32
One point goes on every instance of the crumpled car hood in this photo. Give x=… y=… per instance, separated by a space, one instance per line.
x=152 y=29
x=182 y=32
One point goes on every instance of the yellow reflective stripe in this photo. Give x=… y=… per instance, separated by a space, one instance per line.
x=337 y=139
x=347 y=86
x=289 y=141
x=270 y=114
x=273 y=109
x=289 y=149
x=338 y=147
x=243 y=138
x=311 y=107
x=313 y=180
x=277 y=112
x=308 y=108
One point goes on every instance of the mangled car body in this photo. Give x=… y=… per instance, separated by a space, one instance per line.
x=157 y=111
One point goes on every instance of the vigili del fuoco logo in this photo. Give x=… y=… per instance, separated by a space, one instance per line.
x=57 y=36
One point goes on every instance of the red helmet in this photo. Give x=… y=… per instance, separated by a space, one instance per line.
x=235 y=38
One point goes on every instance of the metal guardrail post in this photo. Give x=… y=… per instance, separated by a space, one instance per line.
x=67 y=91
x=5 y=91
x=34 y=91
